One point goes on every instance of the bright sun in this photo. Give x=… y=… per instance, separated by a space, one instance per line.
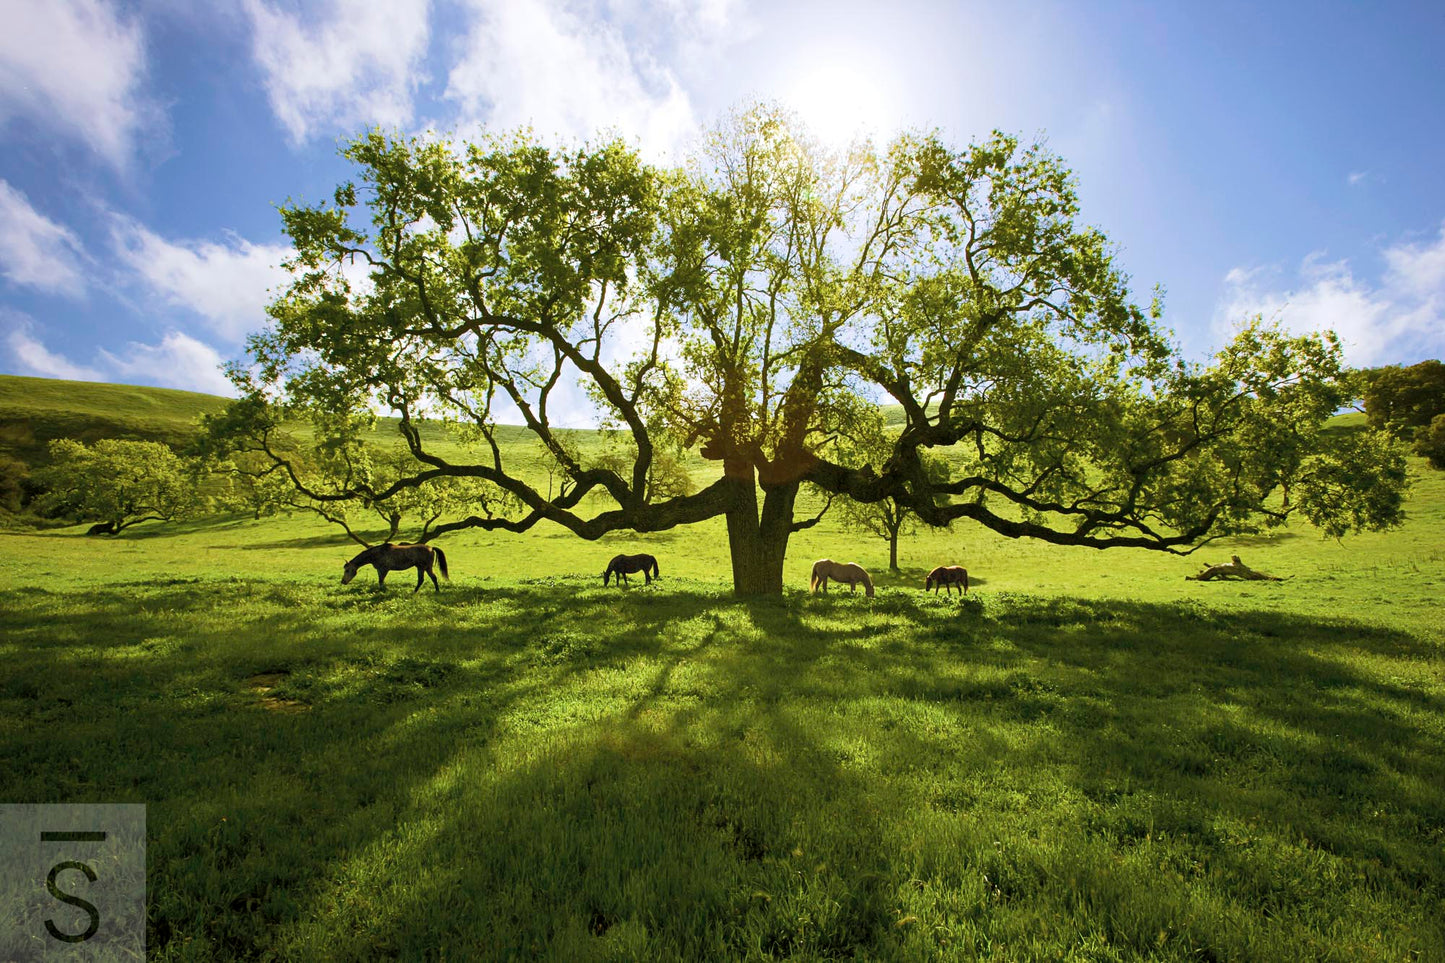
x=841 y=97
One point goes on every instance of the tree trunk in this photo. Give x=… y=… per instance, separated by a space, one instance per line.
x=758 y=544
x=893 y=551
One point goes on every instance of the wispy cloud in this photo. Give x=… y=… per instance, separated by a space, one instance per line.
x=1400 y=318
x=352 y=64
x=228 y=285
x=178 y=361
x=30 y=355
x=570 y=70
x=1356 y=178
x=34 y=250
x=79 y=67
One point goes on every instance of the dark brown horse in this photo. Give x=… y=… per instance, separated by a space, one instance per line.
x=389 y=558
x=624 y=564
x=949 y=576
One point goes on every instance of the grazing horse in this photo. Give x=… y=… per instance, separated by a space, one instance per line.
x=101 y=528
x=947 y=576
x=623 y=564
x=389 y=557
x=850 y=572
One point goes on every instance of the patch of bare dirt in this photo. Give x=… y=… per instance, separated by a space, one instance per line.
x=263 y=682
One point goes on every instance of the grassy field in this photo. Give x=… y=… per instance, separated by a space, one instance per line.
x=1087 y=758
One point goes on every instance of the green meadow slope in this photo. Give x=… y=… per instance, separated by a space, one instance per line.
x=1088 y=758
x=33 y=411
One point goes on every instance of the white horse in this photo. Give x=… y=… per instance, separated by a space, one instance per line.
x=850 y=572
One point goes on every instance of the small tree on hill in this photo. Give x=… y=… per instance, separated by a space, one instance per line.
x=1404 y=399
x=888 y=518
x=1430 y=442
x=14 y=474
x=120 y=482
x=341 y=477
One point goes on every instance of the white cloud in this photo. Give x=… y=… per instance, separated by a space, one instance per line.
x=1418 y=269
x=76 y=65
x=358 y=63
x=229 y=285
x=31 y=356
x=574 y=69
x=1402 y=318
x=179 y=361
x=1356 y=178
x=36 y=251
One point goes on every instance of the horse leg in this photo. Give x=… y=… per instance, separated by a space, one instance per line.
x=420 y=578
x=435 y=584
x=381 y=577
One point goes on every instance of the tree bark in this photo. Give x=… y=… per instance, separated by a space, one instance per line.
x=893 y=550
x=759 y=543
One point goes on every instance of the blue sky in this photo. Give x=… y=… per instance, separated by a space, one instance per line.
x=1281 y=158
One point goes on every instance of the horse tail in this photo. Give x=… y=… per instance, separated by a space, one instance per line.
x=655 y=572
x=442 y=562
x=965 y=581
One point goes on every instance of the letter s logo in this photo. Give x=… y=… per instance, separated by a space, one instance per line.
x=73 y=901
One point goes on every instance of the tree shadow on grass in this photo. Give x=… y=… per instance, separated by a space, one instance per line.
x=551 y=771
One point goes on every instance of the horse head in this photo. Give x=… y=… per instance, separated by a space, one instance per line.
x=348 y=572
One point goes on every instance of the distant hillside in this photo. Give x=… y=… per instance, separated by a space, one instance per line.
x=35 y=410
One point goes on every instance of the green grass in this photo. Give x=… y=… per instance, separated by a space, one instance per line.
x=1087 y=758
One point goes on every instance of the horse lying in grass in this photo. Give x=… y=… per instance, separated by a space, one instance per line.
x=850 y=572
x=624 y=564
x=389 y=558
x=947 y=576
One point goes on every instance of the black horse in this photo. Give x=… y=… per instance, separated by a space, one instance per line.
x=624 y=564
x=389 y=557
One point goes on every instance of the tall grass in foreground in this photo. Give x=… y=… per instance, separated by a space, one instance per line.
x=543 y=768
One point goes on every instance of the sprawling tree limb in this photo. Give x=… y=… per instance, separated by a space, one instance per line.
x=758 y=305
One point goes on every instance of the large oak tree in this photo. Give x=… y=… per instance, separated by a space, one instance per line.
x=758 y=303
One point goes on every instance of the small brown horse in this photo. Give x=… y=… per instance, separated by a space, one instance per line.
x=850 y=572
x=623 y=564
x=389 y=558
x=948 y=576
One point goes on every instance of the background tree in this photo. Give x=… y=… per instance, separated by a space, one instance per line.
x=1430 y=442
x=340 y=476
x=14 y=476
x=1403 y=399
x=887 y=518
x=120 y=482
x=758 y=303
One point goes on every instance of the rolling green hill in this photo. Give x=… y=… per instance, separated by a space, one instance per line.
x=35 y=410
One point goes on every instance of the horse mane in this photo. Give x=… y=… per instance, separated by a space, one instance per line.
x=365 y=555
